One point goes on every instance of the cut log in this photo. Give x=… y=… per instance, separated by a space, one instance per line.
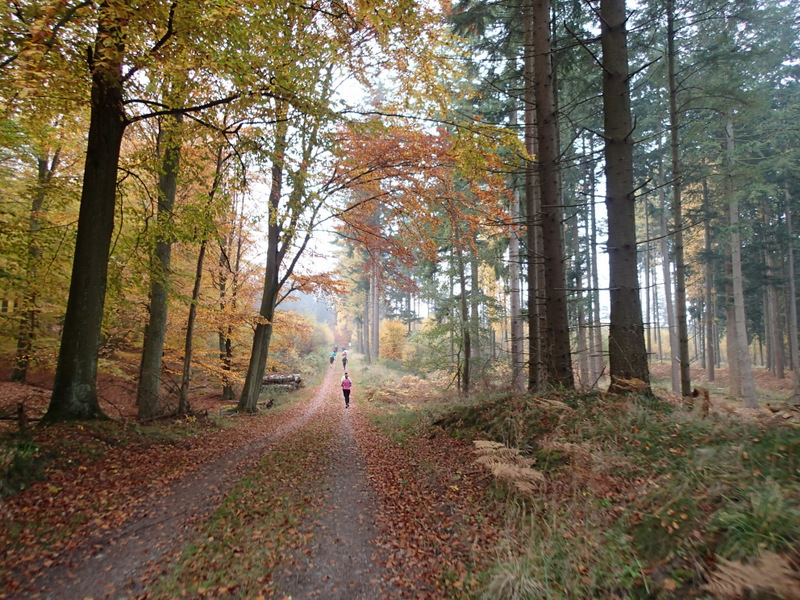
x=290 y=382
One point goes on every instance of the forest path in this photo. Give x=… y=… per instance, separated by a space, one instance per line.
x=388 y=516
x=339 y=562
x=118 y=563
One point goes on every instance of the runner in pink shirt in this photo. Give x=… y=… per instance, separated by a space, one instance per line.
x=346 y=385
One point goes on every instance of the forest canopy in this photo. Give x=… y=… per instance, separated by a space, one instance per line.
x=545 y=195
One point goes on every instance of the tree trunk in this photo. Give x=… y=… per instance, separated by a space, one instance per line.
x=731 y=339
x=748 y=390
x=709 y=283
x=648 y=313
x=366 y=326
x=474 y=300
x=795 y=399
x=228 y=282
x=375 y=327
x=28 y=319
x=248 y=399
x=775 y=335
x=148 y=394
x=677 y=213
x=536 y=327
x=598 y=362
x=75 y=385
x=183 y=400
x=583 y=362
x=465 y=333
x=515 y=259
x=627 y=354
x=667 y=274
x=558 y=362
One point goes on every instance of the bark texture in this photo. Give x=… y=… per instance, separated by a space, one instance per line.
x=148 y=395
x=558 y=360
x=627 y=353
x=75 y=385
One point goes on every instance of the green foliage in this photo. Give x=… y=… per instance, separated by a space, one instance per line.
x=632 y=484
x=18 y=465
x=561 y=559
x=754 y=520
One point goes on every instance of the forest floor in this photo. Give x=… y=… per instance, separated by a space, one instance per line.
x=306 y=501
x=574 y=495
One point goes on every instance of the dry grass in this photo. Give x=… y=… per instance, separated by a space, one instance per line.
x=768 y=574
x=508 y=465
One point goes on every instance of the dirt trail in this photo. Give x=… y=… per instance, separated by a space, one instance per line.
x=338 y=563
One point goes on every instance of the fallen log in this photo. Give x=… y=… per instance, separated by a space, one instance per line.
x=291 y=382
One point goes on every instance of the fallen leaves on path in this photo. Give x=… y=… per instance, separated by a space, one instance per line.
x=437 y=532
x=97 y=476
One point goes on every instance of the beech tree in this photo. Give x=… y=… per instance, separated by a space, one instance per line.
x=124 y=44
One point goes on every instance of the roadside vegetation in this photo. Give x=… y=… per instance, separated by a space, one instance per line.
x=606 y=496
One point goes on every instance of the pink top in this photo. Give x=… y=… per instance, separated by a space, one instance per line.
x=346 y=383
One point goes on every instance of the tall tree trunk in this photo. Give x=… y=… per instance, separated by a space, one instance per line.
x=465 y=327
x=75 y=385
x=376 y=312
x=474 y=299
x=183 y=399
x=581 y=350
x=28 y=318
x=248 y=399
x=793 y=350
x=667 y=274
x=731 y=338
x=228 y=288
x=515 y=259
x=774 y=333
x=711 y=353
x=558 y=362
x=228 y=283
x=677 y=211
x=148 y=393
x=598 y=362
x=648 y=313
x=748 y=390
x=627 y=354
x=366 y=321
x=536 y=328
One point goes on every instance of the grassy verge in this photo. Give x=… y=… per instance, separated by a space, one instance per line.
x=609 y=497
x=634 y=499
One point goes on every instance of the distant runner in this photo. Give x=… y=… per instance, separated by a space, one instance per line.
x=333 y=358
x=346 y=385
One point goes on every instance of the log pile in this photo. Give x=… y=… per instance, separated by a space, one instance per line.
x=282 y=382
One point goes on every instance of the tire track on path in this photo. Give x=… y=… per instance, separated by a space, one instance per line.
x=116 y=564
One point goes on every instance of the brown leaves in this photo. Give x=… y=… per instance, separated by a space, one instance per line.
x=98 y=476
x=436 y=532
x=769 y=573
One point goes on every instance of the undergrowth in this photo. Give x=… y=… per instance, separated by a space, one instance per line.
x=639 y=498
x=28 y=457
